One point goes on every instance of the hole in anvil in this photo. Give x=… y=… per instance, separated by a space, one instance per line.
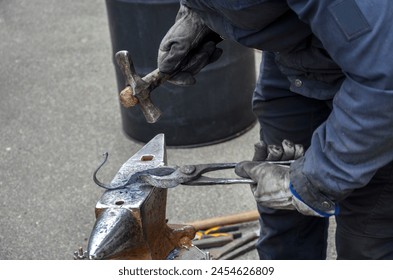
x=119 y=202
x=147 y=157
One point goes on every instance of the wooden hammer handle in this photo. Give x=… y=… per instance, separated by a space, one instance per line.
x=225 y=220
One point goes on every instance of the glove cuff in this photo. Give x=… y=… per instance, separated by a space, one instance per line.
x=305 y=209
x=309 y=193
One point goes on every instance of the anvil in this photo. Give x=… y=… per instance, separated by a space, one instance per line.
x=131 y=215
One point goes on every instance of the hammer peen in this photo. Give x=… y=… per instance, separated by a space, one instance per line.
x=138 y=89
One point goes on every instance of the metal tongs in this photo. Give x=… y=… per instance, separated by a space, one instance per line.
x=171 y=176
x=192 y=175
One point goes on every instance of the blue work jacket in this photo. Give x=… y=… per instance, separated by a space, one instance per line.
x=340 y=50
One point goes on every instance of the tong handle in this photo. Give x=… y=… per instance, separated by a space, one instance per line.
x=204 y=181
x=201 y=180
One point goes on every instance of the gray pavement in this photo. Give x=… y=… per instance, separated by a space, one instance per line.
x=58 y=113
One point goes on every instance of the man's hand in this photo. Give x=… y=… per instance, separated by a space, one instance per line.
x=188 y=46
x=273 y=185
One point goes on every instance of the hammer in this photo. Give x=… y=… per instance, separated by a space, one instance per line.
x=138 y=89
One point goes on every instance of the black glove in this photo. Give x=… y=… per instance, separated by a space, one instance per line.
x=188 y=46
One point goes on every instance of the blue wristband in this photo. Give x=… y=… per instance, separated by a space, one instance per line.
x=323 y=214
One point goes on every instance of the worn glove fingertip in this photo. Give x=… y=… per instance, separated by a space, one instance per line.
x=288 y=150
x=299 y=151
x=274 y=152
x=260 y=151
x=243 y=168
x=240 y=169
x=166 y=64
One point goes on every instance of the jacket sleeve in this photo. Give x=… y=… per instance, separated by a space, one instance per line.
x=357 y=138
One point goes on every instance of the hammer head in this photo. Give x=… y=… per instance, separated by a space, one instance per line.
x=137 y=89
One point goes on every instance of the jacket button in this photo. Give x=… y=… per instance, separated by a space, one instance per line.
x=326 y=205
x=298 y=83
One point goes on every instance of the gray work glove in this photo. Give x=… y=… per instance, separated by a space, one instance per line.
x=273 y=185
x=188 y=46
x=287 y=151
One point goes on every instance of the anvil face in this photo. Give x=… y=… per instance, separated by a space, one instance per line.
x=150 y=156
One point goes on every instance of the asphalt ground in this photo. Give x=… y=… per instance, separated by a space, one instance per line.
x=59 y=112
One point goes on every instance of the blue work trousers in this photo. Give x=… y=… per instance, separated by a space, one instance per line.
x=364 y=225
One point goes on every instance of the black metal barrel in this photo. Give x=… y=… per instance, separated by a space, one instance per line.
x=217 y=108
